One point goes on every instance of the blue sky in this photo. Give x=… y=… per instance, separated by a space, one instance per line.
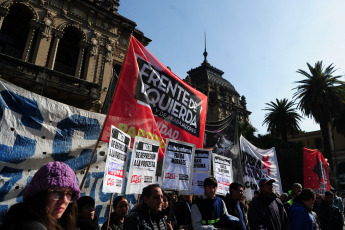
x=258 y=44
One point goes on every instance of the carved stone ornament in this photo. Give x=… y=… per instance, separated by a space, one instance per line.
x=109 y=52
x=48 y=24
x=94 y=46
x=109 y=5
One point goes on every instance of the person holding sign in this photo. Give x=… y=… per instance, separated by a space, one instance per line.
x=210 y=211
x=148 y=215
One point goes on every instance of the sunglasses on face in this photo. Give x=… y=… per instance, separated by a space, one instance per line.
x=59 y=195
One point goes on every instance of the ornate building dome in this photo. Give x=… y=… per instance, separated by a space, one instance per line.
x=207 y=72
x=223 y=97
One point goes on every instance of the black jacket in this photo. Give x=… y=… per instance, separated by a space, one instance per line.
x=267 y=213
x=114 y=223
x=28 y=225
x=87 y=224
x=140 y=218
x=231 y=206
x=18 y=217
x=330 y=217
x=182 y=211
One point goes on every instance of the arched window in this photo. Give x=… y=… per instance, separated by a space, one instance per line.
x=68 y=51
x=14 y=31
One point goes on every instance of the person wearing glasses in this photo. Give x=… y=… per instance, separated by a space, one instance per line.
x=49 y=201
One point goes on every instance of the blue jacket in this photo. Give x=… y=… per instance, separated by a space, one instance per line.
x=211 y=210
x=299 y=217
x=211 y=214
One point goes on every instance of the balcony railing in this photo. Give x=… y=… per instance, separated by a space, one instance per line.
x=16 y=68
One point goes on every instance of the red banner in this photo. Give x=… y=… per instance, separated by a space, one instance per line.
x=152 y=102
x=315 y=169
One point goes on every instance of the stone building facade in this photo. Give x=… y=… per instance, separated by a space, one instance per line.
x=69 y=51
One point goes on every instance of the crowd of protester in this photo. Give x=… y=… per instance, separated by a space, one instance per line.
x=52 y=201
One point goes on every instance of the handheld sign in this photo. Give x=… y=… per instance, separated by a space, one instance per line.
x=178 y=165
x=143 y=165
x=222 y=171
x=116 y=161
x=202 y=166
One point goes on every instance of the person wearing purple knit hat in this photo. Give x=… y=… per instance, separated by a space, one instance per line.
x=49 y=201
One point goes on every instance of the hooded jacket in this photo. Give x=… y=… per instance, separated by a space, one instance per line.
x=299 y=217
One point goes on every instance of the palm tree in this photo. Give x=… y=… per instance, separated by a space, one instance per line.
x=282 y=118
x=321 y=96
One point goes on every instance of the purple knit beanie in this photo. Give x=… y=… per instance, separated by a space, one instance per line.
x=52 y=175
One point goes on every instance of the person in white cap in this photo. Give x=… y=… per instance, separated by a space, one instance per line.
x=267 y=211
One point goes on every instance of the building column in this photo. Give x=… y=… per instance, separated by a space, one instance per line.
x=28 y=45
x=92 y=60
x=51 y=61
x=44 y=40
x=99 y=65
x=81 y=57
x=107 y=72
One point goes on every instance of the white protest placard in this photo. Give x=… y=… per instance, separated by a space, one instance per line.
x=257 y=164
x=178 y=165
x=143 y=165
x=116 y=161
x=222 y=171
x=202 y=166
x=202 y=160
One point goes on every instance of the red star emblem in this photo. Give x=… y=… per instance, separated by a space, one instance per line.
x=267 y=164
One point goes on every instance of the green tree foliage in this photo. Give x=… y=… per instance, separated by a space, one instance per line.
x=282 y=118
x=246 y=130
x=320 y=95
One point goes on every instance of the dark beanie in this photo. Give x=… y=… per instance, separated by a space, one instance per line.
x=52 y=175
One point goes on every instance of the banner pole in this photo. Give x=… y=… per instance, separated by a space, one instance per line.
x=105 y=120
x=111 y=202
